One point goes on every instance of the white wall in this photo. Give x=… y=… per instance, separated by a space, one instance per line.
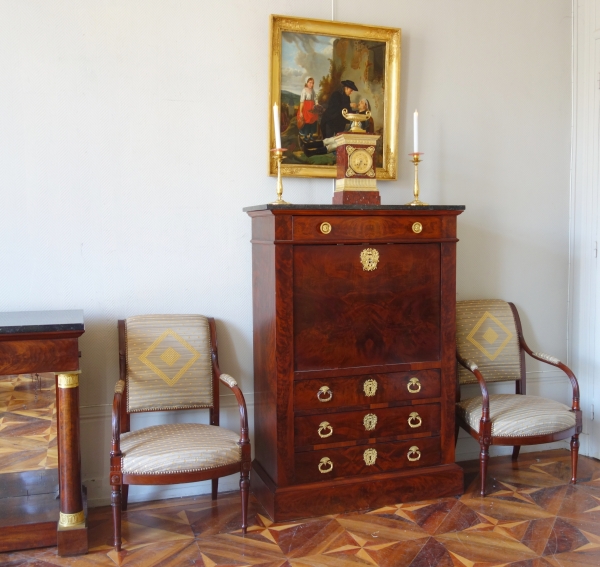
x=133 y=133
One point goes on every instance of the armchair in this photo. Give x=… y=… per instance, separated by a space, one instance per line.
x=490 y=343
x=170 y=362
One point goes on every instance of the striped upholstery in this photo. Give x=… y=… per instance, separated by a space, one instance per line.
x=169 y=364
x=486 y=334
x=514 y=415
x=181 y=447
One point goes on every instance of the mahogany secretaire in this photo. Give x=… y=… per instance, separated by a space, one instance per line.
x=354 y=356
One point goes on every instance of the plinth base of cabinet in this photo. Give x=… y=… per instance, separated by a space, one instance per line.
x=354 y=494
x=72 y=541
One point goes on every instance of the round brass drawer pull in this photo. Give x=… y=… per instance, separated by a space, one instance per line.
x=414 y=419
x=370 y=387
x=324 y=390
x=325 y=228
x=370 y=456
x=325 y=462
x=414 y=385
x=370 y=421
x=414 y=450
x=324 y=426
x=417 y=227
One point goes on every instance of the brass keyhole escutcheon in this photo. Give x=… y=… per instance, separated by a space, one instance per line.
x=370 y=456
x=325 y=465
x=370 y=387
x=370 y=421
x=324 y=394
x=369 y=258
x=414 y=385
x=414 y=419
x=417 y=227
x=325 y=228
x=414 y=451
x=325 y=429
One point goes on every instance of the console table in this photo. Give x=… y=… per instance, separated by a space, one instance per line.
x=354 y=356
x=41 y=342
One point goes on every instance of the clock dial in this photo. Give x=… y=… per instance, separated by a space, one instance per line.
x=360 y=161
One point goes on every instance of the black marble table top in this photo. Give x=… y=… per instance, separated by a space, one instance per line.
x=290 y=207
x=41 y=321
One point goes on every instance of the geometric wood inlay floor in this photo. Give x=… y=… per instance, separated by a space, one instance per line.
x=531 y=517
x=27 y=423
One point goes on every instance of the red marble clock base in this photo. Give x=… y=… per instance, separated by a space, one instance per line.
x=356 y=198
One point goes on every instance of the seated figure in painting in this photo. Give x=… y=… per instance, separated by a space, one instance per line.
x=332 y=121
x=367 y=125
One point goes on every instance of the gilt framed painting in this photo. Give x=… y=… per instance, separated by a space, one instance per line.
x=317 y=69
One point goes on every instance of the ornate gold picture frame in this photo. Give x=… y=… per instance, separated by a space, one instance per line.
x=314 y=63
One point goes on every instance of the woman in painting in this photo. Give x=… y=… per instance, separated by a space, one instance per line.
x=367 y=125
x=306 y=117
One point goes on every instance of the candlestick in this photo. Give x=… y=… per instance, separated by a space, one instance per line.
x=277 y=126
x=416 y=132
x=416 y=202
x=278 y=155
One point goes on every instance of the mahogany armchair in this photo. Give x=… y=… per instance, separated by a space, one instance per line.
x=170 y=362
x=491 y=348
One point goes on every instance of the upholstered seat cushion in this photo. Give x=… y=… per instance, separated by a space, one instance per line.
x=181 y=447
x=514 y=415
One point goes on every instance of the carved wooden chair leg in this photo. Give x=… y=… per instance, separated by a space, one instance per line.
x=483 y=462
x=516 y=450
x=115 y=500
x=245 y=490
x=124 y=497
x=574 y=455
x=215 y=488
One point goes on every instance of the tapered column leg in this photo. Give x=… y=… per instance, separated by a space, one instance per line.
x=115 y=501
x=483 y=462
x=574 y=456
x=516 y=450
x=124 y=496
x=215 y=488
x=72 y=537
x=245 y=490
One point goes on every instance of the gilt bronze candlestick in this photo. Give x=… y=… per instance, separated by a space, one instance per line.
x=416 y=160
x=278 y=155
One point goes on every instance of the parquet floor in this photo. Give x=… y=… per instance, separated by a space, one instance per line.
x=531 y=518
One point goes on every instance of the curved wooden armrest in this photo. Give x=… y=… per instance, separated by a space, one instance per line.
x=116 y=419
x=474 y=369
x=553 y=361
x=232 y=384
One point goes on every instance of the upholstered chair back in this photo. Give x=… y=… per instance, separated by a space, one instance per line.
x=169 y=364
x=486 y=333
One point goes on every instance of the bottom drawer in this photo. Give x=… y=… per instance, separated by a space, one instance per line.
x=328 y=464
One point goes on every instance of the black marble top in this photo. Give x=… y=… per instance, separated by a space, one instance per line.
x=271 y=207
x=41 y=321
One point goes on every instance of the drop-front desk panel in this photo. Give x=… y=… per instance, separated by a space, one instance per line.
x=354 y=356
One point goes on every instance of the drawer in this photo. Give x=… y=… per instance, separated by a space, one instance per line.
x=365 y=228
x=325 y=393
x=328 y=464
x=366 y=424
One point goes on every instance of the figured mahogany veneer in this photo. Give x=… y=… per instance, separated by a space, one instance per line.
x=335 y=342
x=350 y=391
x=309 y=431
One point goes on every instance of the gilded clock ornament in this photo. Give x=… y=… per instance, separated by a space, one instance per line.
x=360 y=161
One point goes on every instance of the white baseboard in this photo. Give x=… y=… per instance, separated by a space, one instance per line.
x=96 y=438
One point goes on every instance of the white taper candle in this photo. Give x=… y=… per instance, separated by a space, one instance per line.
x=416 y=132
x=276 y=126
